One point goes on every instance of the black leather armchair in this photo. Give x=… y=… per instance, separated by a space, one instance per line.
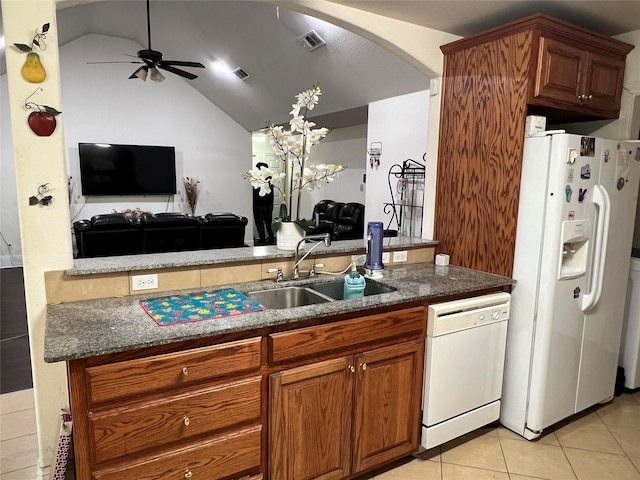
x=108 y=234
x=221 y=230
x=350 y=222
x=170 y=232
x=342 y=221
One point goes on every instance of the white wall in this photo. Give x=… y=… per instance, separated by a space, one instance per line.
x=100 y=104
x=343 y=146
x=400 y=124
x=103 y=105
x=11 y=254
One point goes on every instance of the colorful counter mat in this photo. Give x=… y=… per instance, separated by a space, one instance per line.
x=194 y=307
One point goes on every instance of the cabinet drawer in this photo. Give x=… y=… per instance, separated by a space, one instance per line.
x=210 y=460
x=338 y=336
x=127 y=430
x=146 y=375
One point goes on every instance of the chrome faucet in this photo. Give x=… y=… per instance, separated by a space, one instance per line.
x=325 y=237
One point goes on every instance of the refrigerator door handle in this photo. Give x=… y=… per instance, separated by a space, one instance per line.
x=603 y=205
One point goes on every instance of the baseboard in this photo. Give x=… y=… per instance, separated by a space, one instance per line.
x=7 y=261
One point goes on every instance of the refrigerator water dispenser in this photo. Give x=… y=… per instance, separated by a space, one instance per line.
x=575 y=249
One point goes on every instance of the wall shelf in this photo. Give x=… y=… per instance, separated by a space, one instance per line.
x=407 y=198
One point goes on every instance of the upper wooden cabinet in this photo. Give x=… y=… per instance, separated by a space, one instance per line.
x=491 y=81
x=577 y=79
x=568 y=67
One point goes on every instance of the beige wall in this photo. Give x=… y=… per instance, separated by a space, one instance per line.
x=46 y=242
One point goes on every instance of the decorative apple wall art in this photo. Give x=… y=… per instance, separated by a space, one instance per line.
x=33 y=71
x=43 y=197
x=42 y=122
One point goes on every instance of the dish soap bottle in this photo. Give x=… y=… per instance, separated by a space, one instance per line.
x=354 y=284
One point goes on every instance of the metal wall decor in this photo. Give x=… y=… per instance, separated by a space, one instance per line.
x=33 y=71
x=43 y=121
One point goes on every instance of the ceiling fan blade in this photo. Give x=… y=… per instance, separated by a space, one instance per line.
x=177 y=71
x=88 y=63
x=182 y=64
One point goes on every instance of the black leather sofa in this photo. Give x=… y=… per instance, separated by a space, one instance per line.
x=116 y=234
x=344 y=221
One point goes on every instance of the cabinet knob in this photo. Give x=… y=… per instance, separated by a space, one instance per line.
x=185 y=370
x=351 y=368
x=187 y=421
x=364 y=366
x=188 y=474
x=590 y=96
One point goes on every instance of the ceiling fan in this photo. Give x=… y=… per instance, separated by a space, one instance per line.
x=151 y=61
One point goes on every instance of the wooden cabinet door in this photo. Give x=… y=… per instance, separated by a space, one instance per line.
x=603 y=82
x=561 y=69
x=578 y=77
x=387 y=404
x=310 y=421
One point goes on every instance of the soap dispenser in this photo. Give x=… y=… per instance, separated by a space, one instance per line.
x=354 y=284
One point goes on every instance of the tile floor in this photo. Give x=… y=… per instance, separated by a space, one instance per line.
x=600 y=444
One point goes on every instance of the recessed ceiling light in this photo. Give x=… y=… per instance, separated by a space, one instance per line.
x=221 y=66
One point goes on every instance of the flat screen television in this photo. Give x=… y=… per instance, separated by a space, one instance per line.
x=110 y=169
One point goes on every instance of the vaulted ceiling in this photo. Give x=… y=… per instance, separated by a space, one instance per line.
x=262 y=39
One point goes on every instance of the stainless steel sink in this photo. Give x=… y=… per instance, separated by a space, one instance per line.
x=288 y=297
x=298 y=296
x=335 y=289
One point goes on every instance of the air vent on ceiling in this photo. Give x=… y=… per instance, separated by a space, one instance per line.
x=311 y=40
x=241 y=73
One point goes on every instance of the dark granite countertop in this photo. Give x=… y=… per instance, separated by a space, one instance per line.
x=94 y=327
x=153 y=261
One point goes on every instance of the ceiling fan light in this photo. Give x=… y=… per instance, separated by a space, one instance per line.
x=141 y=73
x=156 y=76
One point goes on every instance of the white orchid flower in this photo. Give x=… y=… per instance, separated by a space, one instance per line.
x=297 y=124
x=295 y=109
x=293 y=147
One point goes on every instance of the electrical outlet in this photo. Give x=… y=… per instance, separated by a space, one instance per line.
x=385 y=257
x=359 y=259
x=144 y=282
x=400 y=256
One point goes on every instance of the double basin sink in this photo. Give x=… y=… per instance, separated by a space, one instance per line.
x=298 y=296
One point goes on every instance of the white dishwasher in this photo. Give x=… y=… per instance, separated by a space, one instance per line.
x=464 y=362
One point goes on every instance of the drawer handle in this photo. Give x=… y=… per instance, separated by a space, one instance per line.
x=188 y=474
x=351 y=368
x=187 y=421
x=185 y=370
x=364 y=366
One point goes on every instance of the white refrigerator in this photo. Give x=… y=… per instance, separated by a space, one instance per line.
x=576 y=216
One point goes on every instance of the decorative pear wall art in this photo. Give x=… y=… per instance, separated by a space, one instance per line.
x=42 y=121
x=33 y=71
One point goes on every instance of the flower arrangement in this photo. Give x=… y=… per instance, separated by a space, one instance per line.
x=293 y=147
x=191 y=190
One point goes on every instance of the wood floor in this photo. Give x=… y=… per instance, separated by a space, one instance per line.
x=15 y=363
